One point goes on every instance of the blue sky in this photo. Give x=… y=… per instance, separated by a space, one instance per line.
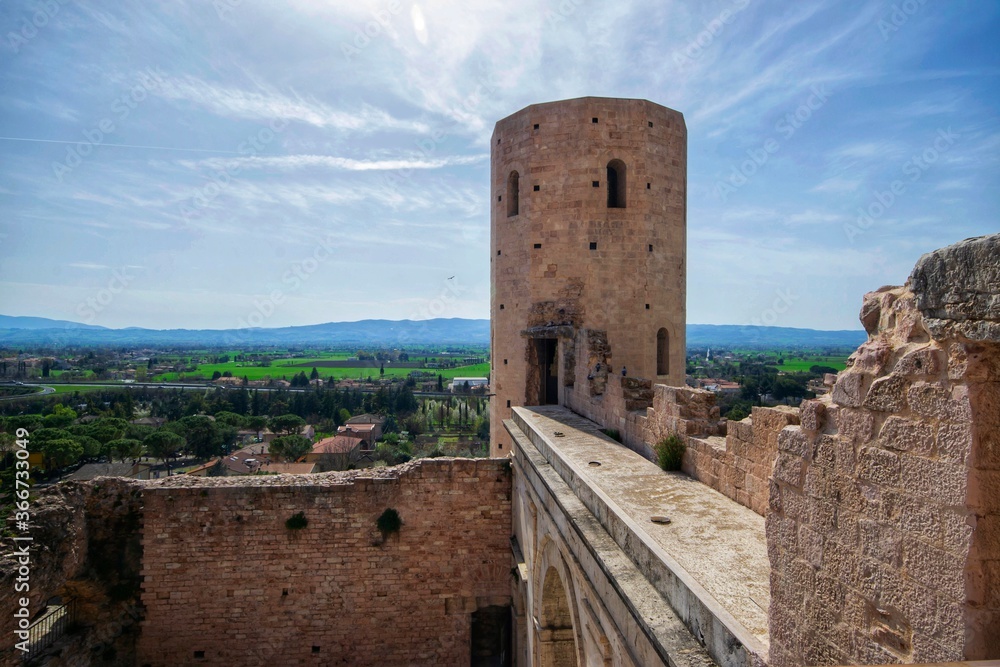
x=231 y=163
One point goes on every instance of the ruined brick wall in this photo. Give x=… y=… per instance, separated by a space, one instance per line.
x=223 y=575
x=734 y=458
x=85 y=547
x=739 y=464
x=883 y=530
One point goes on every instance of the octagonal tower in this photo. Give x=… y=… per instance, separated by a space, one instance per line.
x=588 y=247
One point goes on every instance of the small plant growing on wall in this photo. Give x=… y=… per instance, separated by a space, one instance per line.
x=297 y=521
x=670 y=452
x=388 y=523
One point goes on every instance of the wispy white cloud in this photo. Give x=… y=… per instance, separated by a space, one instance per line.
x=266 y=103
x=838 y=185
x=295 y=162
x=89 y=266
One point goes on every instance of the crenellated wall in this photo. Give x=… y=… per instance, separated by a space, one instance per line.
x=734 y=458
x=883 y=499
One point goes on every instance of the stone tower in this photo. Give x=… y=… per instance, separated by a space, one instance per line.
x=587 y=253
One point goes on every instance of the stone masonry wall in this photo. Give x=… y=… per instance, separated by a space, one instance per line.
x=734 y=458
x=883 y=529
x=85 y=547
x=226 y=582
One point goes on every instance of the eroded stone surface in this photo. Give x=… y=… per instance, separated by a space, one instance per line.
x=958 y=289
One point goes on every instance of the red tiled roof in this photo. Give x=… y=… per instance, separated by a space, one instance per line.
x=339 y=444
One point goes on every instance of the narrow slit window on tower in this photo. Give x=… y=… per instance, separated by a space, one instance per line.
x=593 y=120
x=596 y=184
x=537 y=246
x=536 y=126
x=498 y=253
x=501 y=306
x=616 y=184
x=513 y=185
x=647 y=306
x=662 y=352
x=649 y=186
x=593 y=245
x=537 y=188
x=650 y=247
x=651 y=123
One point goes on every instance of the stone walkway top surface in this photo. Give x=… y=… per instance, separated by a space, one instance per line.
x=719 y=543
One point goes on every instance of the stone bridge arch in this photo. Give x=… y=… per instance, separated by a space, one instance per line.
x=557 y=644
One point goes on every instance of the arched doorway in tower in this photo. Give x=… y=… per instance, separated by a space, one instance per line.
x=662 y=352
x=557 y=636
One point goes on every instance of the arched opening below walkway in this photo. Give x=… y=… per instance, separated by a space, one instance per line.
x=556 y=635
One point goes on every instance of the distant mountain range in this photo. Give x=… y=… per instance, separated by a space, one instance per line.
x=383 y=333
x=734 y=335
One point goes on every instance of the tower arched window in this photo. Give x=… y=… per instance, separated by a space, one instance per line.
x=513 y=194
x=616 y=184
x=662 y=352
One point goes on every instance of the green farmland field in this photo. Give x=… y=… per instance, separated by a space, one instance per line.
x=803 y=365
x=287 y=368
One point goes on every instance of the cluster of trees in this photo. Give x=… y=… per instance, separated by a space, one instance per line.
x=206 y=424
x=64 y=442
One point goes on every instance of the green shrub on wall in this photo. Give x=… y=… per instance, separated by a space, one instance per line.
x=297 y=521
x=389 y=522
x=670 y=452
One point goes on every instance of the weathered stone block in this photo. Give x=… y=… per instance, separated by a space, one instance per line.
x=813 y=416
x=850 y=389
x=879 y=466
x=957 y=289
x=791 y=439
x=937 y=481
x=930 y=400
x=934 y=568
x=921 y=363
x=789 y=469
x=887 y=394
x=906 y=435
x=856 y=426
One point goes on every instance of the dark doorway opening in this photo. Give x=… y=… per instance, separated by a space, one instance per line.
x=548 y=390
x=491 y=637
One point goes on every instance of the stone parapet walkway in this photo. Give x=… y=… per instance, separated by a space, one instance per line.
x=709 y=562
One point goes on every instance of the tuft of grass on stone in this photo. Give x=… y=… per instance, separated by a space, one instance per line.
x=670 y=452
